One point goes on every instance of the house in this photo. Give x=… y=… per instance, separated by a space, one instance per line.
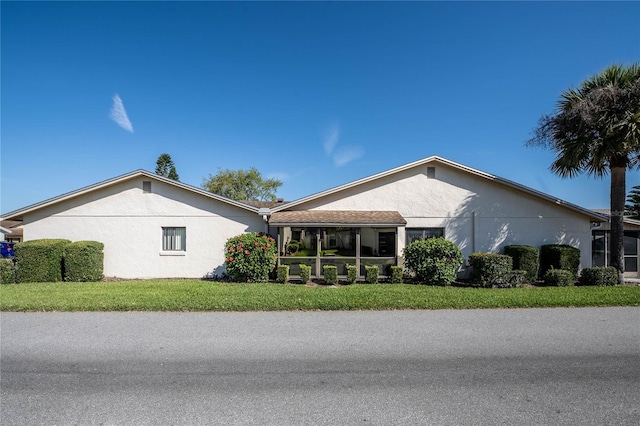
x=156 y=227
x=601 y=244
x=11 y=230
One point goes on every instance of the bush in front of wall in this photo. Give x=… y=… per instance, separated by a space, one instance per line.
x=283 y=273
x=491 y=270
x=518 y=278
x=7 y=271
x=434 y=261
x=330 y=274
x=250 y=257
x=396 y=274
x=525 y=258
x=40 y=260
x=599 y=275
x=371 y=274
x=558 y=278
x=352 y=274
x=84 y=261
x=305 y=273
x=559 y=256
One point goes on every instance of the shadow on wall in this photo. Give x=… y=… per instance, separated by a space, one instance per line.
x=488 y=225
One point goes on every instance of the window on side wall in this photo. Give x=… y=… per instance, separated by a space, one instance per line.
x=174 y=239
x=423 y=233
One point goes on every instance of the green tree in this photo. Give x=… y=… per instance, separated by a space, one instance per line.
x=633 y=198
x=242 y=185
x=166 y=168
x=596 y=129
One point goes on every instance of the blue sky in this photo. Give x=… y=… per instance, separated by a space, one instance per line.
x=316 y=93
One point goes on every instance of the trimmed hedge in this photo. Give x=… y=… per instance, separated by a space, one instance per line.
x=491 y=270
x=7 y=271
x=599 y=275
x=396 y=274
x=283 y=273
x=434 y=261
x=305 y=273
x=40 y=260
x=559 y=256
x=352 y=274
x=84 y=261
x=330 y=274
x=372 y=273
x=525 y=258
x=558 y=278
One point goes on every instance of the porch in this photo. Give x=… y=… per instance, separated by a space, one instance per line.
x=337 y=237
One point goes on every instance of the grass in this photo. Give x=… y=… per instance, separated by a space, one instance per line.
x=196 y=295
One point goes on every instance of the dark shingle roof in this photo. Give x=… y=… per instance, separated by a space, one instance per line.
x=337 y=217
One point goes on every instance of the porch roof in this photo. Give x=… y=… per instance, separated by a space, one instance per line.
x=336 y=218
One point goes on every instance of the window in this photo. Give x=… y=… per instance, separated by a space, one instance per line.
x=431 y=172
x=146 y=186
x=174 y=239
x=423 y=233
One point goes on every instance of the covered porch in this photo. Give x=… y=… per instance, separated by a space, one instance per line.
x=337 y=237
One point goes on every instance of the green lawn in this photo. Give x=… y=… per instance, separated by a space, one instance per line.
x=196 y=295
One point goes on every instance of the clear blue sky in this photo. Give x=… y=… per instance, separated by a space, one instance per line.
x=318 y=94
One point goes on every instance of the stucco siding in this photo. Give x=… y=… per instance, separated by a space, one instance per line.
x=478 y=214
x=129 y=223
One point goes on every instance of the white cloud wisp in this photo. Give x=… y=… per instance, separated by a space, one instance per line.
x=119 y=115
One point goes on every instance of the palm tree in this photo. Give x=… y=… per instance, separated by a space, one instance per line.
x=596 y=129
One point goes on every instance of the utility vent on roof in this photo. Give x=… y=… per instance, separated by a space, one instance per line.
x=146 y=186
x=431 y=172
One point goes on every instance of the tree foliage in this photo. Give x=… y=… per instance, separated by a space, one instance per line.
x=242 y=185
x=166 y=168
x=633 y=208
x=596 y=129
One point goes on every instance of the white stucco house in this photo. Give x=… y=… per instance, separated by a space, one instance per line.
x=154 y=227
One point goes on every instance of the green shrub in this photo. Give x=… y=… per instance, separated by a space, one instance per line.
x=40 y=260
x=352 y=274
x=7 y=271
x=558 y=278
x=330 y=274
x=490 y=270
x=283 y=273
x=601 y=276
x=518 y=278
x=433 y=261
x=84 y=261
x=305 y=273
x=396 y=274
x=559 y=256
x=525 y=258
x=371 y=274
x=293 y=246
x=250 y=257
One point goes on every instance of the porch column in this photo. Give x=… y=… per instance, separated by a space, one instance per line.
x=318 y=248
x=358 y=250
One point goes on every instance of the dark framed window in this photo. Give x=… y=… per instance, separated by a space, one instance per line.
x=423 y=233
x=174 y=239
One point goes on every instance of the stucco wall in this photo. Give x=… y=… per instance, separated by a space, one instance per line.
x=129 y=223
x=477 y=214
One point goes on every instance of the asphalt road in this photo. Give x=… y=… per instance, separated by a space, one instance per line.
x=473 y=367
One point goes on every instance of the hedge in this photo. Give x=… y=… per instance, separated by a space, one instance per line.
x=434 y=261
x=396 y=274
x=7 y=271
x=40 y=260
x=491 y=270
x=372 y=273
x=352 y=274
x=525 y=258
x=330 y=274
x=305 y=273
x=601 y=276
x=559 y=256
x=283 y=273
x=558 y=278
x=84 y=261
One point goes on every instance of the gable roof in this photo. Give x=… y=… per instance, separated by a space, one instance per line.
x=18 y=214
x=435 y=159
x=336 y=218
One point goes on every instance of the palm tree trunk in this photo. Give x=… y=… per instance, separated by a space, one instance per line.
x=618 y=196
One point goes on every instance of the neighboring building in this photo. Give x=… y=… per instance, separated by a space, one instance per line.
x=11 y=230
x=155 y=227
x=601 y=243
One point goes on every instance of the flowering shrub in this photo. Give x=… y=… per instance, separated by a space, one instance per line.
x=250 y=257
